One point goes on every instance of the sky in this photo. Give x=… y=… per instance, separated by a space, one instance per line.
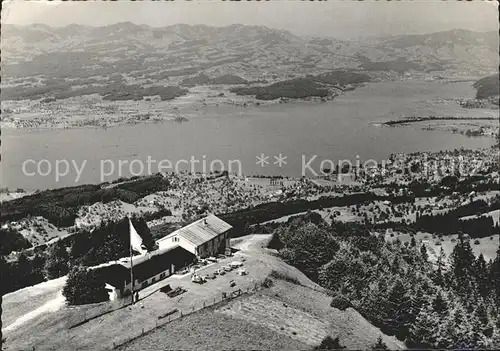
x=343 y=19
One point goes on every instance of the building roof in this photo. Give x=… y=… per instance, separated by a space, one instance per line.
x=202 y=230
x=156 y=262
x=159 y=263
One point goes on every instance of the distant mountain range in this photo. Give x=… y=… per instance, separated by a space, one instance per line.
x=33 y=56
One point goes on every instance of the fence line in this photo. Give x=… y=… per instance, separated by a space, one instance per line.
x=188 y=311
x=100 y=310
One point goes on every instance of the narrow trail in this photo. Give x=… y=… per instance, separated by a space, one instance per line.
x=50 y=306
x=253 y=242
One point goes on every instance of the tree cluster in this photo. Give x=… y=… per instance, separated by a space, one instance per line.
x=450 y=304
x=84 y=286
x=108 y=242
x=60 y=206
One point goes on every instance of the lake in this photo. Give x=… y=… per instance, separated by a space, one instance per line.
x=345 y=128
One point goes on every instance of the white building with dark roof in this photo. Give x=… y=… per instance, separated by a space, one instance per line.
x=205 y=237
x=147 y=269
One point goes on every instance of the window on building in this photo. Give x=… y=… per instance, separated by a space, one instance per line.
x=153 y=280
x=162 y=275
x=144 y=284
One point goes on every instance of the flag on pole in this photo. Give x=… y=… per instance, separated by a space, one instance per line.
x=135 y=239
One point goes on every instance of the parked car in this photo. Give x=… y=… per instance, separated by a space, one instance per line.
x=221 y=271
x=242 y=271
x=175 y=292
x=227 y=268
x=232 y=283
x=197 y=279
x=167 y=288
x=236 y=264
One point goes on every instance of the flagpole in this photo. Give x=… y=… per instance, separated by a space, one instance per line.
x=131 y=265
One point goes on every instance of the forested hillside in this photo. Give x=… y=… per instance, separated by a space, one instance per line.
x=487 y=87
x=450 y=304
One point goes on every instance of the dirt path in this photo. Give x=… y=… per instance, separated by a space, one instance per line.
x=26 y=304
x=50 y=306
x=253 y=242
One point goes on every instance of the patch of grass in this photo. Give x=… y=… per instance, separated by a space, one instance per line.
x=267 y=283
x=283 y=276
x=340 y=302
x=197 y=332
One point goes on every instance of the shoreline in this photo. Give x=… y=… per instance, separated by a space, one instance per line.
x=330 y=177
x=454 y=125
x=242 y=101
x=30 y=115
x=415 y=119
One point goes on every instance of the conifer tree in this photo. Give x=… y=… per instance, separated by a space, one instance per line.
x=418 y=301
x=380 y=344
x=2 y=277
x=413 y=242
x=495 y=277
x=481 y=314
x=439 y=274
x=57 y=261
x=462 y=331
x=423 y=253
x=83 y=286
x=481 y=275
x=398 y=310
x=462 y=262
x=422 y=333
x=439 y=304
x=328 y=343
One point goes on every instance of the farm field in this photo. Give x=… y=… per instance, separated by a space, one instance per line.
x=487 y=246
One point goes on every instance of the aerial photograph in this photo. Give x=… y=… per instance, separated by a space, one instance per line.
x=249 y=175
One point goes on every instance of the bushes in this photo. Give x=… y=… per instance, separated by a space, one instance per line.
x=267 y=283
x=329 y=343
x=21 y=273
x=11 y=240
x=84 y=286
x=57 y=261
x=341 y=303
x=60 y=206
x=242 y=219
x=380 y=345
x=308 y=248
x=275 y=242
x=108 y=242
x=282 y=276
